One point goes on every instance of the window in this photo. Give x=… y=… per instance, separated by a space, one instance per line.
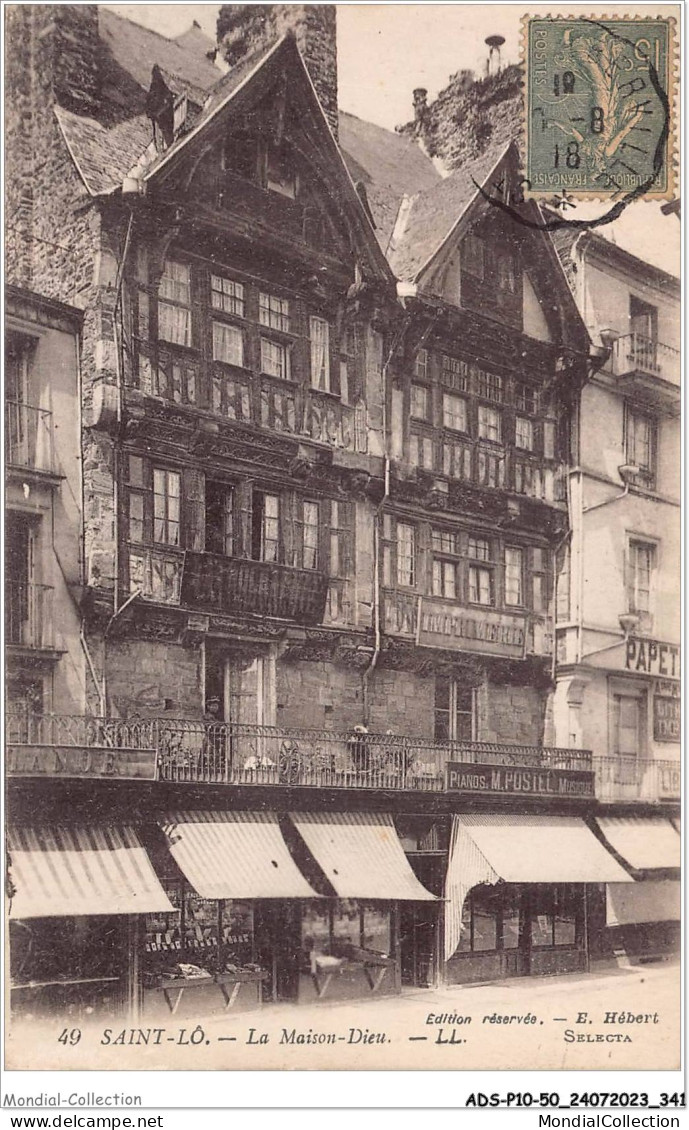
x=454 y=711
x=626 y=725
x=420 y=402
x=538 y=580
x=421 y=452
x=454 y=412
x=489 y=386
x=273 y=312
x=280 y=173
x=481 y=579
x=525 y=398
x=505 y=273
x=421 y=367
x=174 y=304
x=481 y=920
x=339 y=538
x=480 y=585
x=227 y=295
x=489 y=423
x=319 y=332
x=490 y=468
x=228 y=344
x=455 y=373
x=472 y=256
x=275 y=359
x=514 y=590
x=343 y=926
x=641 y=445
x=265 y=527
x=523 y=433
x=175 y=379
x=166 y=506
x=642 y=563
x=479 y=549
x=445 y=563
x=643 y=320
x=555 y=914
x=308 y=536
x=406 y=554
x=220 y=532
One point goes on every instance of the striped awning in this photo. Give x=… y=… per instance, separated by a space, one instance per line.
x=520 y=849
x=645 y=843
x=361 y=854
x=75 y=871
x=628 y=904
x=234 y=855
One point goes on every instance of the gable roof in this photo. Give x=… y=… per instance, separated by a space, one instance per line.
x=104 y=155
x=433 y=215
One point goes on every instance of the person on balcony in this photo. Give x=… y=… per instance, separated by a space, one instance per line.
x=214 y=762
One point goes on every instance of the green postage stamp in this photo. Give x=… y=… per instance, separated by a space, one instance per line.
x=599 y=106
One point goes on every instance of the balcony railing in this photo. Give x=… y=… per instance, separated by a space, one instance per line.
x=221 y=752
x=636 y=353
x=230 y=584
x=622 y=779
x=28 y=615
x=28 y=437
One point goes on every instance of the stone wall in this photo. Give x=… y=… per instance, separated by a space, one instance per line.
x=245 y=28
x=150 y=678
x=511 y=714
x=468 y=116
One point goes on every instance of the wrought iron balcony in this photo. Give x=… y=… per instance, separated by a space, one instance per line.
x=28 y=437
x=649 y=369
x=226 y=753
x=231 y=584
x=28 y=615
x=620 y=779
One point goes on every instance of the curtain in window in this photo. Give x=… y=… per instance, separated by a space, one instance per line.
x=320 y=361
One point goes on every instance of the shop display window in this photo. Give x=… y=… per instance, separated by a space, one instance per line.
x=511 y=917
x=84 y=947
x=207 y=935
x=481 y=920
x=555 y=915
x=345 y=929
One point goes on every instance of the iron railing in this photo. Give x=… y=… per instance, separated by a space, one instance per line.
x=28 y=615
x=210 y=752
x=636 y=352
x=620 y=779
x=28 y=437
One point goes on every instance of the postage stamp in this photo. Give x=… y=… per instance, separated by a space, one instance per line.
x=598 y=106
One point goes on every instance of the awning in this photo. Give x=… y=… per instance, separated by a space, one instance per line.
x=628 y=904
x=644 y=842
x=234 y=855
x=361 y=854
x=75 y=871
x=520 y=849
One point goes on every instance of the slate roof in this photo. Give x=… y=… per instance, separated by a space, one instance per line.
x=196 y=40
x=389 y=165
x=134 y=49
x=103 y=156
x=433 y=214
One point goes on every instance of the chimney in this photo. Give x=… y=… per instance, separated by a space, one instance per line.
x=245 y=28
x=493 y=64
x=67 y=54
x=420 y=96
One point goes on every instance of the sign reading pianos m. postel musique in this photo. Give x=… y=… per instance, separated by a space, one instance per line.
x=509 y=780
x=81 y=761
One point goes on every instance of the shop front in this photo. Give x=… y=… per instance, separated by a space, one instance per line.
x=77 y=896
x=516 y=895
x=642 y=919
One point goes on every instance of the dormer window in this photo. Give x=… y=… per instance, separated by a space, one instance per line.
x=280 y=175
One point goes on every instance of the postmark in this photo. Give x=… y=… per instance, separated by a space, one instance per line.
x=598 y=107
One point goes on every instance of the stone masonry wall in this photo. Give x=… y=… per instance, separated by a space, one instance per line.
x=244 y=28
x=511 y=714
x=150 y=677
x=324 y=696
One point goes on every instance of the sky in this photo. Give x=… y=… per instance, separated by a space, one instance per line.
x=386 y=50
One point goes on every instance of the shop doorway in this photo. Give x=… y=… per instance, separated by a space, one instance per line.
x=420 y=924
